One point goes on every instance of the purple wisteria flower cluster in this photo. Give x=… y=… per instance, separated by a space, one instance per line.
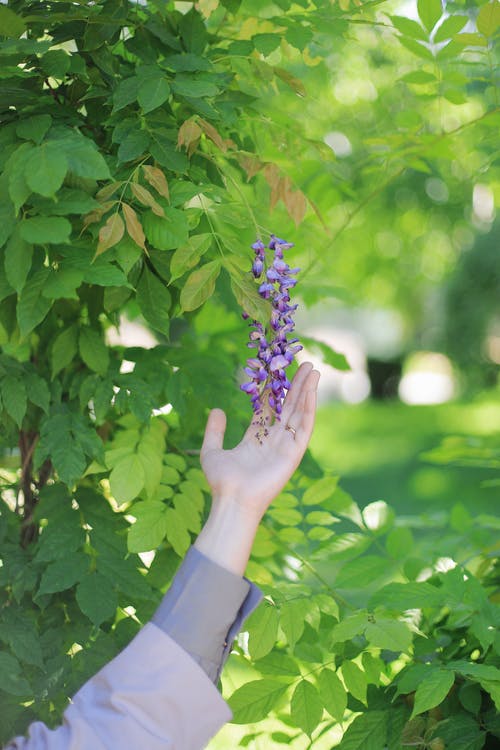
x=275 y=349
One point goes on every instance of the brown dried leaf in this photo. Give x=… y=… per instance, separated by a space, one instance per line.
x=296 y=205
x=157 y=179
x=107 y=191
x=212 y=133
x=110 y=234
x=134 y=227
x=294 y=83
x=189 y=136
x=97 y=213
x=146 y=198
x=250 y=164
x=272 y=175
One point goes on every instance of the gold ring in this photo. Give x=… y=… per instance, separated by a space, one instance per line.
x=291 y=429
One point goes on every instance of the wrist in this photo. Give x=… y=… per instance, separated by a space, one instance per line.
x=228 y=534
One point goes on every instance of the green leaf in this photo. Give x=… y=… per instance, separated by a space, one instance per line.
x=11 y=24
x=411 y=595
x=63 y=283
x=177 y=533
x=127 y=479
x=200 y=285
x=96 y=598
x=188 y=85
x=34 y=128
x=56 y=63
x=82 y=155
x=133 y=145
x=362 y=572
x=150 y=528
x=45 y=229
x=332 y=693
x=63 y=574
x=367 y=732
x=163 y=149
x=125 y=93
x=247 y=296
x=488 y=19
x=21 y=634
x=320 y=518
x=14 y=398
x=408 y=27
x=292 y=619
x=329 y=356
x=399 y=542
x=429 y=12
x=493 y=688
x=32 y=306
x=306 y=708
x=262 y=627
x=418 y=77
x=432 y=691
x=254 y=701
x=67 y=201
x=38 y=391
x=188 y=255
x=266 y=43
x=166 y=233
x=417 y=48
x=193 y=32
x=278 y=664
x=46 y=169
x=355 y=680
x=153 y=89
x=450 y=26
x=64 y=349
x=66 y=438
x=18 y=188
x=460 y=732
x=349 y=627
x=10 y=669
x=392 y=635
x=18 y=258
x=154 y=301
x=320 y=491
x=93 y=350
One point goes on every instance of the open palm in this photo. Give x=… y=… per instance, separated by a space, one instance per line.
x=254 y=472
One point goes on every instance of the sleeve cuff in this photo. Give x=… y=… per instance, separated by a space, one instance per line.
x=204 y=609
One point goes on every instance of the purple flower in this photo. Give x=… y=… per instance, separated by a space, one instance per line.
x=257 y=267
x=268 y=383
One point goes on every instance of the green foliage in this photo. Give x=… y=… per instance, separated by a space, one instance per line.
x=142 y=148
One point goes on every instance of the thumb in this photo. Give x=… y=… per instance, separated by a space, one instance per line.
x=214 y=431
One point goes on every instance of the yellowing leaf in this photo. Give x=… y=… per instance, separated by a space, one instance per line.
x=134 y=227
x=212 y=133
x=189 y=136
x=488 y=19
x=146 y=198
x=294 y=83
x=110 y=234
x=200 y=285
x=156 y=179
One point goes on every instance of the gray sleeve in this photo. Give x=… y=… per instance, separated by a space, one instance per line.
x=204 y=609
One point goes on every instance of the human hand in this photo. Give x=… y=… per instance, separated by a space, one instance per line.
x=253 y=473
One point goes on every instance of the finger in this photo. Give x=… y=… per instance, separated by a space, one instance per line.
x=309 y=409
x=295 y=391
x=214 y=431
x=302 y=417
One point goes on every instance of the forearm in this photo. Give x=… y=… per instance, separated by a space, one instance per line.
x=228 y=535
